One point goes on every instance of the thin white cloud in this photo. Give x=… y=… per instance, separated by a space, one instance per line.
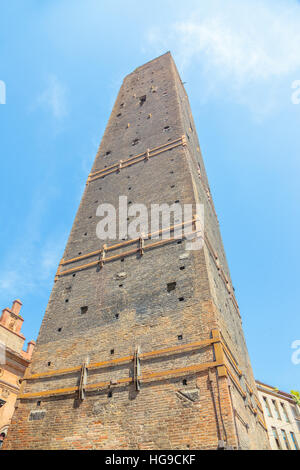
x=32 y=260
x=54 y=98
x=236 y=44
x=34 y=266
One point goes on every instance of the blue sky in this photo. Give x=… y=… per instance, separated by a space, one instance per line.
x=63 y=62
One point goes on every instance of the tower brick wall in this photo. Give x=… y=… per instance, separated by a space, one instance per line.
x=196 y=383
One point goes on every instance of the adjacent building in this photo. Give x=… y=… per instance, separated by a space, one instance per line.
x=282 y=417
x=13 y=362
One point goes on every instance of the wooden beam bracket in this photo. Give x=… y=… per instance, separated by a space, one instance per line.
x=141 y=244
x=83 y=381
x=102 y=257
x=137 y=369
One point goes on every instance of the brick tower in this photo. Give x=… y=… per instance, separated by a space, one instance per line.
x=141 y=345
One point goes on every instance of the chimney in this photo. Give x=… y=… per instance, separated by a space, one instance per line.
x=30 y=348
x=16 y=306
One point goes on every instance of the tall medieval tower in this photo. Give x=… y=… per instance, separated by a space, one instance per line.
x=142 y=345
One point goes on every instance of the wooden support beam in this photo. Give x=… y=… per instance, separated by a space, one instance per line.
x=168 y=144
x=58 y=271
x=236 y=383
x=105 y=259
x=231 y=359
x=121 y=360
x=148 y=376
x=219 y=353
x=219 y=363
x=126 y=243
x=136 y=159
x=262 y=423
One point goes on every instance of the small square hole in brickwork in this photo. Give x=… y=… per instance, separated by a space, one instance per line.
x=109 y=394
x=179 y=242
x=122 y=260
x=184 y=382
x=135 y=142
x=171 y=286
x=112 y=352
x=90 y=217
x=38 y=403
x=166 y=128
x=143 y=100
x=85 y=234
x=180 y=337
x=121 y=285
x=119 y=115
x=108 y=153
x=84 y=309
x=74 y=275
x=177 y=202
x=59 y=329
x=80 y=253
x=67 y=300
x=181 y=299
x=182 y=268
x=122 y=105
x=49 y=364
x=171 y=172
x=173 y=186
x=117 y=316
